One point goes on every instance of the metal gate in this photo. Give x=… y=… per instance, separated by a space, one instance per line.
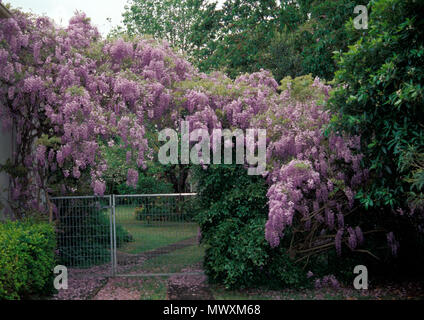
x=128 y=235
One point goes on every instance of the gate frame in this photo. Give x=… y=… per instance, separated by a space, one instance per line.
x=112 y=228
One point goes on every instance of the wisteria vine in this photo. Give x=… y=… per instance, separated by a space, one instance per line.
x=66 y=90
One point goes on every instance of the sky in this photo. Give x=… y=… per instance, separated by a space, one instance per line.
x=62 y=10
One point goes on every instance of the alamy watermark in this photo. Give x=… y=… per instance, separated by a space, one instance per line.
x=361 y=281
x=360 y=21
x=250 y=147
x=61 y=280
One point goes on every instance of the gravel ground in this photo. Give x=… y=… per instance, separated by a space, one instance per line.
x=398 y=291
x=190 y=286
x=84 y=284
x=119 y=289
x=195 y=287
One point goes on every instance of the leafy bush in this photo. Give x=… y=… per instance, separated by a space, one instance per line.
x=27 y=259
x=166 y=209
x=149 y=214
x=146 y=185
x=233 y=227
x=155 y=210
x=379 y=95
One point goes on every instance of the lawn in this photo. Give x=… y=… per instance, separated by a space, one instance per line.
x=176 y=261
x=154 y=235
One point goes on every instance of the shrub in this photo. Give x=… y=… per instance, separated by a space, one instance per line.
x=146 y=185
x=154 y=211
x=379 y=95
x=27 y=259
x=174 y=209
x=232 y=226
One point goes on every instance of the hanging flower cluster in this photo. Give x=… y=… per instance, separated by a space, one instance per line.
x=313 y=177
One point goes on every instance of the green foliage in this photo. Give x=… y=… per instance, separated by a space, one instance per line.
x=283 y=55
x=146 y=185
x=166 y=209
x=289 y=38
x=232 y=38
x=151 y=214
x=413 y=161
x=233 y=229
x=141 y=213
x=13 y=170
x=301 y=88
x=380 y=96
x=150 y=181
x=170 y=20
x=27 y=259
x=156 y=210
x=116 y=173
x=327 y=34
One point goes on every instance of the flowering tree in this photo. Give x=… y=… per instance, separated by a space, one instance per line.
x=67 y=91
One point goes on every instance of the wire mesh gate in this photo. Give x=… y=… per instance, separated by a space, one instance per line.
x=128 y=235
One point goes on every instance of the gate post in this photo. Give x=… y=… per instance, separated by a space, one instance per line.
x=112 y=256
x=115 y=263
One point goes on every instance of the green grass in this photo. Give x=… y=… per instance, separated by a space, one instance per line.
x=153 y=289
x=149 y=288
x=175 y=261
x=154 y=235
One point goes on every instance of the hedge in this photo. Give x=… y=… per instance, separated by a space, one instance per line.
x=27 y=259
